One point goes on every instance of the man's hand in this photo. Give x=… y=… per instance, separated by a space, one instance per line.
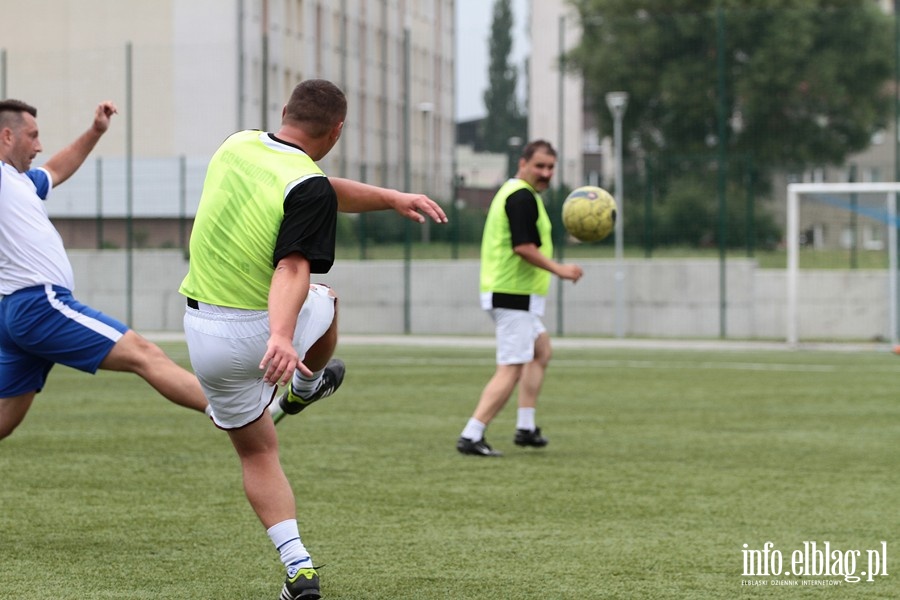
x=412 y=206
x=280 y=361
x=105 y=110
x=571 y=272
x=532 y=254
x=64 y=163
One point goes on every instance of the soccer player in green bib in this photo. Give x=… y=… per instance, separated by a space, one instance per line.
x=267 y=221
x=516 y=268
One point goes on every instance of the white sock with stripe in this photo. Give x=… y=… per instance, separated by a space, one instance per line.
x=305 y=386
x=286 y=537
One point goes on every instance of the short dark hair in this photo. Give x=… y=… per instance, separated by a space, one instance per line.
x=532 y=147
x=11 y=112
x=316 y=105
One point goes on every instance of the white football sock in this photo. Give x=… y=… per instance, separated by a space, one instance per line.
x=474 y=430
x=525 y=419
x=286 y=538
x=304 y=386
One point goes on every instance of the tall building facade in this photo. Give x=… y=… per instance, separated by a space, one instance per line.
x=555 y=98
x=187 y=73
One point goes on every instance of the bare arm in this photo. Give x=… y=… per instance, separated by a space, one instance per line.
x=356 y=197
x=290 y=287
x=64 y=163
x=532 y=254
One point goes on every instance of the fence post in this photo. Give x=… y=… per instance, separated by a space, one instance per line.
x=407 y=177
x=751 y=207
x=182 y=204
x=2 y=72
x=363 y=219
x=99 y=193
x=648 y=211
x=722 y=158
x=129 y=189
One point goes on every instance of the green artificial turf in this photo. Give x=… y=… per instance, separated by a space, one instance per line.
x=661 y=466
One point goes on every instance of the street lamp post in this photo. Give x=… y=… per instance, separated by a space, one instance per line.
x=617 y=103
x=427 y=110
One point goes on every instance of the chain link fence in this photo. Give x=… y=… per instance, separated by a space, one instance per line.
x=714 y=192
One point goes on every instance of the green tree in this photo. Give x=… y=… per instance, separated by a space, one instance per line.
x=504 y=117
x=806 y=82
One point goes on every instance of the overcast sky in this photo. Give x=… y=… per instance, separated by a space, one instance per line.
x=473 y=19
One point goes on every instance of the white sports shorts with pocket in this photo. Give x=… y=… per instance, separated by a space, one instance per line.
x=226 y=346
x=516 y=331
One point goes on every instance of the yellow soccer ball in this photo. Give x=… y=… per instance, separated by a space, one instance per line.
x=589 y=213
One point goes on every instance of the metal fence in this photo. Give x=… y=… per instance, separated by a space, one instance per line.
x=714 y=191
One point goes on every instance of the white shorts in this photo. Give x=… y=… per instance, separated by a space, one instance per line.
x=226 y=346
x=517 y=331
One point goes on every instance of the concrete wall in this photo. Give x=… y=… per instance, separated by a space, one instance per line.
x=664 y=298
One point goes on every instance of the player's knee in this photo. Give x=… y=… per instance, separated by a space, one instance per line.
x=7 y=428
x=543 y=351
x=333 y=294
x=13 y=411
x=8 y=424
x=542 y=355
x=151 y=352
x=133 y=353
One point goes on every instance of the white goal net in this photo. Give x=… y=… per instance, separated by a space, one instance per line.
x=863 y=222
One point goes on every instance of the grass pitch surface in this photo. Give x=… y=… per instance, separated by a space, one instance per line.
x=661 y=466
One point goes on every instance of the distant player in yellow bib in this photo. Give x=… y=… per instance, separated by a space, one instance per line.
x=516 y=268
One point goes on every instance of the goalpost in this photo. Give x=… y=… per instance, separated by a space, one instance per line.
x=794 y=192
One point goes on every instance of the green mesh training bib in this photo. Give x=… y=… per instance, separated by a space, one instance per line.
x=238 y=219
x=502 y=270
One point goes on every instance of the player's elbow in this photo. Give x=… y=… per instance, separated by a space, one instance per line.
x=525 y=250
x=293 y=264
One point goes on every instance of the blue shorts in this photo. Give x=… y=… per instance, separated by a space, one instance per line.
x=44 y=325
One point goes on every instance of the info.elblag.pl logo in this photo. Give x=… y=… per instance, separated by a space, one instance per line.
x=815 y=560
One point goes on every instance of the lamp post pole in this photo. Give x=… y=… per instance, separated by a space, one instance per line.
x=427 y=110
x=617 y=103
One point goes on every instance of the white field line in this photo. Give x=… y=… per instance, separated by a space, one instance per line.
x=569 y=342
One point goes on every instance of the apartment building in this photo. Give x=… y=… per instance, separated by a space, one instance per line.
x=187 y=73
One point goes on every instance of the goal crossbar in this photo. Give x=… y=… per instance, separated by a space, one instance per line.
x=794 y=191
